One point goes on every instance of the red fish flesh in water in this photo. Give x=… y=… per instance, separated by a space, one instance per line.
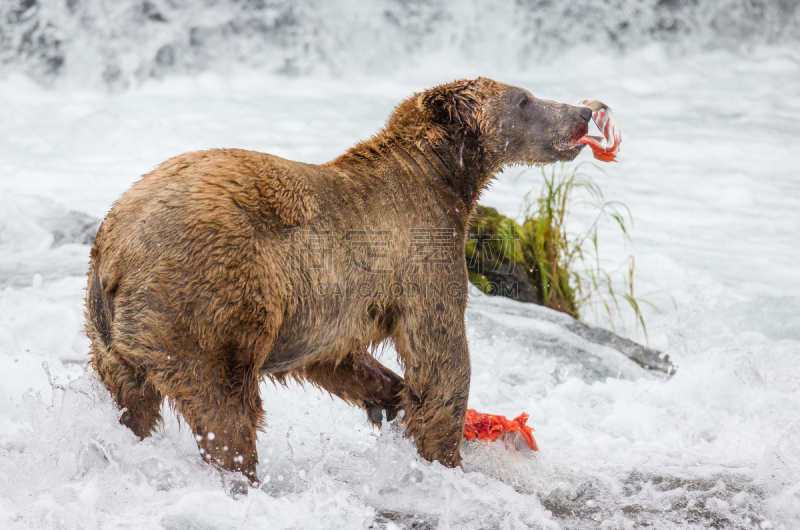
x=606 y=147
x=490 y=427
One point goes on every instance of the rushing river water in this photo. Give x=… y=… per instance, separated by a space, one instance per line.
x=707 y=168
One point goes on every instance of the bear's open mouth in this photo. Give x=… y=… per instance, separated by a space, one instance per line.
x=574 y=140
x=568 y=146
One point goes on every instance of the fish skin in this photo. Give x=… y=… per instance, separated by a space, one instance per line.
x=605 y=148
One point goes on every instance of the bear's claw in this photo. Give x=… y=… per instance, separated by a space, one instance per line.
x=375 y=413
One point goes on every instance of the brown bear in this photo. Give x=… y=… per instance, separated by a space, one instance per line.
x=223 y=267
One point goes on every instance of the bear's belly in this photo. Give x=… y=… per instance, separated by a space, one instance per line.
x=316 y=334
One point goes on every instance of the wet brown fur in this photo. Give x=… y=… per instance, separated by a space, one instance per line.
x=194 y=276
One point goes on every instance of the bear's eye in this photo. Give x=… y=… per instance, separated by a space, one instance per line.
x=523 y=103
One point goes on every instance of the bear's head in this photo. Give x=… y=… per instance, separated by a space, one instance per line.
x=501 y=125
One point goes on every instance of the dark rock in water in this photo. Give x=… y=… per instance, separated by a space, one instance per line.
x=576 y=349
x=39 y=236
x=152 y=13
x=686 y=498
x=165 y=55
x=71 y=227
x=645 y=357
x=509 y=280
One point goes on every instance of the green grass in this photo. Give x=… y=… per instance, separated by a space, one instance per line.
x=565 y=268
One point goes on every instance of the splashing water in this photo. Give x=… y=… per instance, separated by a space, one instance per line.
x=709 y=173
x=101 y=41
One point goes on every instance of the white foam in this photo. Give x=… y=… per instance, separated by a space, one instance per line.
x=708 y=172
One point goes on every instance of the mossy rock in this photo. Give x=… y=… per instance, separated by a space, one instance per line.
x=501 y=260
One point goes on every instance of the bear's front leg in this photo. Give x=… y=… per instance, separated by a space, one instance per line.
x=359 y=379
x=435 y=353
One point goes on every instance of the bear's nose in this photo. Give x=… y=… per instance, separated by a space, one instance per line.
x=586 y=114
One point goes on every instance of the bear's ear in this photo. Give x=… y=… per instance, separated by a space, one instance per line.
x=454 y=104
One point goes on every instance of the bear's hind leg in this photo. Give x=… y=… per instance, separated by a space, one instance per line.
x=223 y=409
x=132 y=391
x=359 y=379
